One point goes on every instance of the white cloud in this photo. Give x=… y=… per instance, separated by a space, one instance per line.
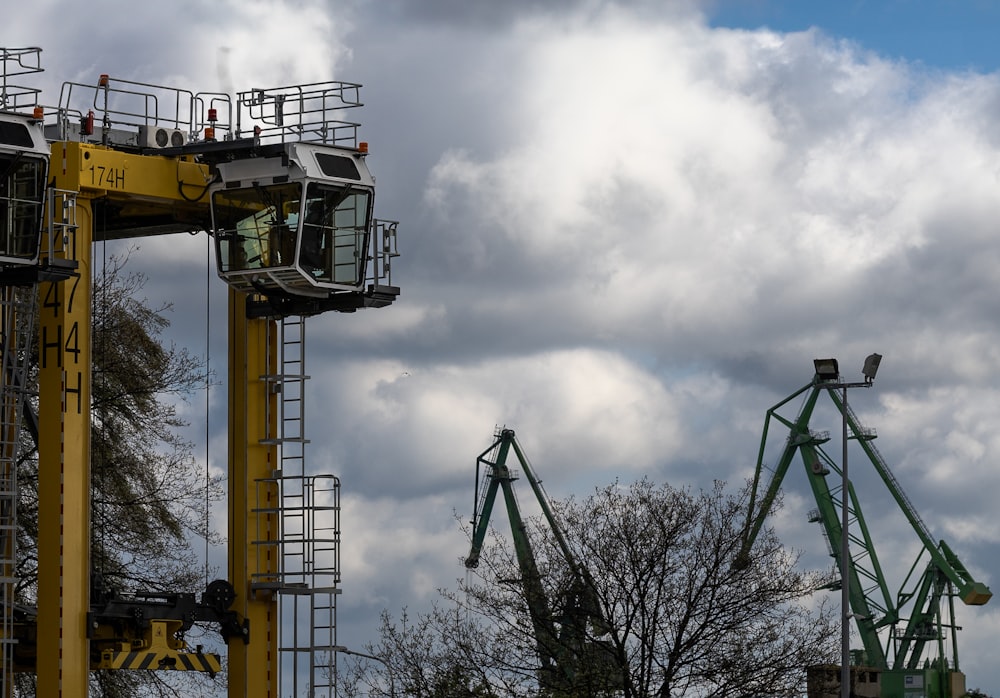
x=690 y=177
x=264 y=43
x=391 y=547
x=593 y=411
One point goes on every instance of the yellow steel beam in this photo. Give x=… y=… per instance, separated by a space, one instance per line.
x=140 y=194
x=64 y=471
x=253 y=526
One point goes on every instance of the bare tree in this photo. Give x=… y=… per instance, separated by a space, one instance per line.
x=681 y=618
x=434 y=655
x=147 y=486
x=686 y=621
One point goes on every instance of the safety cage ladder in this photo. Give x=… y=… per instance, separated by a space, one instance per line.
x=307 y=546
x=18 y=306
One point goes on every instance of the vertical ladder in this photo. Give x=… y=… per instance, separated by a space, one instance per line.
x=308 y=542
x=18 y=305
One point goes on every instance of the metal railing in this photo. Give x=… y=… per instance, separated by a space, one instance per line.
x=15 y=63
x=116 y=111
x=308 y=113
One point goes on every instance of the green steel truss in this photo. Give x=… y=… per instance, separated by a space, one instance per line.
x=921 y=611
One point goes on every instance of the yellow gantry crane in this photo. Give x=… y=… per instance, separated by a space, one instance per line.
x=280 y=180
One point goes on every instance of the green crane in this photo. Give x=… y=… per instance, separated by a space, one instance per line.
x=572 y=653
x=920 y=616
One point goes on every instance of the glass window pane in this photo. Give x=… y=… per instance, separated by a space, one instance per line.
x=22 y=192
x=255 y=227
x=334 y=233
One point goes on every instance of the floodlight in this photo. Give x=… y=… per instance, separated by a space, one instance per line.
x=871 y=367
x=827 y=369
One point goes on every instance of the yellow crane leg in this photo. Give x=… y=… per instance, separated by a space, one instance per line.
x=64 y=316
x=253 y=526
x=141 y=186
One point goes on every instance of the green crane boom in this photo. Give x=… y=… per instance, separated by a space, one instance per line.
x=914 y=615
x=502 y=477
x=567 y=651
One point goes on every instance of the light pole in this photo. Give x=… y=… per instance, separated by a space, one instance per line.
x=388 y=669
x=827 y=371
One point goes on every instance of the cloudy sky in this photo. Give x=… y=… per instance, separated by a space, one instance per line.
x=626 y=231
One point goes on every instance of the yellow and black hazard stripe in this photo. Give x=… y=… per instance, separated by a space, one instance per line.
x=161 y=660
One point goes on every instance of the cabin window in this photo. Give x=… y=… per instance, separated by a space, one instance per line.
x=255 y=227
x=22 y=193
x=335 y=233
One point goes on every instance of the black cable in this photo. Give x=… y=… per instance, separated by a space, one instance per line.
x=208 y=387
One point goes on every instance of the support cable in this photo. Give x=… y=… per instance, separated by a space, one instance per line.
x=98 y=471
x=208 y=402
